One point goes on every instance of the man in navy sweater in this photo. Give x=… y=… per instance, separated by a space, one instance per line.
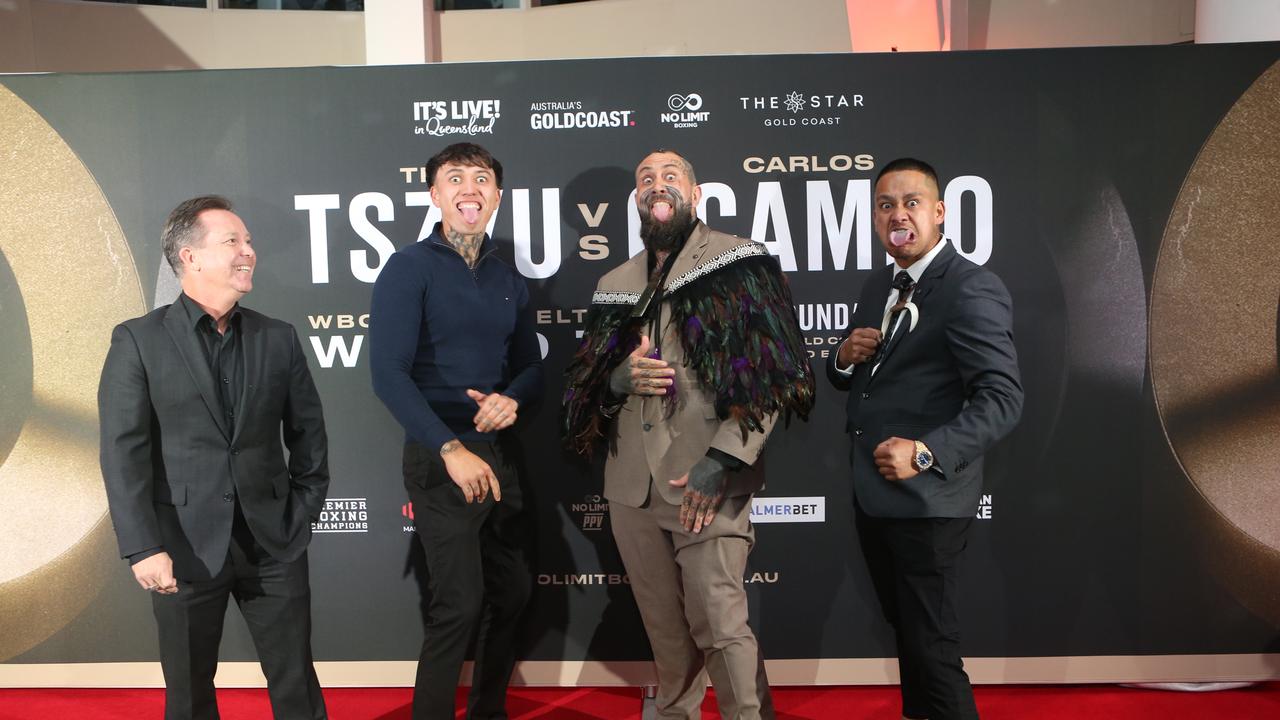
x=454 y=357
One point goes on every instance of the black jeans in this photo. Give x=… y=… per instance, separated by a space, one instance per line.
x=914 y=567
x=478 y=580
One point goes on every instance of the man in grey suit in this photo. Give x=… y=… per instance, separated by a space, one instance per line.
x=193 y=402
x=933 y=383
x=690 y=353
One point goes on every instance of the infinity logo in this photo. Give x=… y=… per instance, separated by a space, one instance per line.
x=679 y=102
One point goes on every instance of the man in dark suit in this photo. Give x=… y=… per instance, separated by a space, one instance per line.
x=933 y=383
x=193 y=402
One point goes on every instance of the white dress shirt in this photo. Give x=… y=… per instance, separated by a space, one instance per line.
x=915 y=270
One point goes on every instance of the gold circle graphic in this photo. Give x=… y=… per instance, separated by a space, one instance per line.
x=77 y=278
x=1213 y=343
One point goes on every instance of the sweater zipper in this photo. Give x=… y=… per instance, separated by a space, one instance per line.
x=475 y=274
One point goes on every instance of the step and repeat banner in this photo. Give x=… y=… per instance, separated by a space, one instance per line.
x=1126 y=196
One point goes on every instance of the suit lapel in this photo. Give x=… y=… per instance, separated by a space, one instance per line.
x=635 y=276
x=691 y=254
x=251 y=342
x=183 y=334
x=933 y=274
x=880 y=294
x=931 y=278
x=686 y=260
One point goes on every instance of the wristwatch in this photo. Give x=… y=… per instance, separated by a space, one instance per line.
x=922 y=459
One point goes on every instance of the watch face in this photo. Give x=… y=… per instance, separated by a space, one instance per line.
x=924 y=459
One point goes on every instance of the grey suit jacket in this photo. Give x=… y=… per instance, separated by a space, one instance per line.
x=172 y=467
x=952 y=383
x=649 y=442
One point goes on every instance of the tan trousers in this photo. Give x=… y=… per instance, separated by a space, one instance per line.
x=694 y=608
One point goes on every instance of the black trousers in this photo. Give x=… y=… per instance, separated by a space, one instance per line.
x=914 y=567
x=275 y=600
x=478 y=579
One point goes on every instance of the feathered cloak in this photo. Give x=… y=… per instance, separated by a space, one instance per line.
x=737 y=327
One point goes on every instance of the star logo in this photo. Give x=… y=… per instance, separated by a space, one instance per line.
x=795 y=102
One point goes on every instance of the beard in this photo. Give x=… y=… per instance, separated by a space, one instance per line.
x=670 y=235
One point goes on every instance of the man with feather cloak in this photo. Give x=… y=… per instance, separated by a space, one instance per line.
x=690 y=354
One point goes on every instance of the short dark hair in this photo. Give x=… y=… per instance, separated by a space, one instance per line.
x=463 y=153
x=907 y=163
x=183 y=227
x=684 y=162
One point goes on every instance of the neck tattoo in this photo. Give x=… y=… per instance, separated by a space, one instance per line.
x=659 y=257
x=468 y=246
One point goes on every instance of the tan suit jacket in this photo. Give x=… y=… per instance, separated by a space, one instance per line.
x=647 y=441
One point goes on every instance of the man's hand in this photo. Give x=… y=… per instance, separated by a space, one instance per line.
x=858 y=347
x=704 y=491
x=641 y=375
x=497 y=411
x=156 y=574
x=469 y=472
x=893 y=458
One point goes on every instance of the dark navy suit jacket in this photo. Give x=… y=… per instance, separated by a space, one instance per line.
x=952 y=382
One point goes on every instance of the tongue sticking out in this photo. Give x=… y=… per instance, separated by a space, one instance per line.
x=898 y=238
x=661 y=211
x=470 y=213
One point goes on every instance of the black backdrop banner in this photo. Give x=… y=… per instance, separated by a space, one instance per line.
x=1069 y=173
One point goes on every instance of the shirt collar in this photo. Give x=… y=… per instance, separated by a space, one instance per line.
x=437 y=237
x=196 y=314
x=917 y=268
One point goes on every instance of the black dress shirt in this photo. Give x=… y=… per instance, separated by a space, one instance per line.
x=223 y=353
x=226 y=363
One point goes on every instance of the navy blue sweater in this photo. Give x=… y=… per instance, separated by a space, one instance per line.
x=437 y=328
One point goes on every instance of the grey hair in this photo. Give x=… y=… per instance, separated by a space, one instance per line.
x=183 y=228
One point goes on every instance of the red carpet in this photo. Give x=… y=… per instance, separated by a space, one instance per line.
x=1041 y=702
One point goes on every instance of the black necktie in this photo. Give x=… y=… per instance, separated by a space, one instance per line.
x=903 y=283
